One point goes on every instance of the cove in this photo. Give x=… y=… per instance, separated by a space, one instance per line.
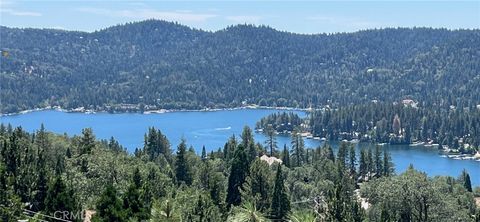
x=212 y=129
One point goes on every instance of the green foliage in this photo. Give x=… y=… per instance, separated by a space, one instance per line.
x=156 y=145
x=109 y=206
x=258 y=185
x=271 y=141
x=284 y=122
x=133 y=204
x=280 y=206
x=165 y=211
x=248 y=143
x=140 y=188
x=60 y=198
x=156 y=64
x=298 y=148
x=237 y=176
x=11 y=207
x=412 y=196
x=303 y=216
x=286 y=156
x=375 y=122
x=204 y=210
x=247 y=213
x=182 y=168
x=467 y=183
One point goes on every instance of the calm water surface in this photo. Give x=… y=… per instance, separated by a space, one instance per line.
x=212 y=129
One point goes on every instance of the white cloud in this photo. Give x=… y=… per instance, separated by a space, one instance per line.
x=244 y=18
x=181 y=16
x=19 y=13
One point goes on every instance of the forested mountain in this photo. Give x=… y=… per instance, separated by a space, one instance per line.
x=167 y=65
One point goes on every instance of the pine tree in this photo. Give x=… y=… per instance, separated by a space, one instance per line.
x=11 y=207
x=378 y=161
x=342 y=154
x=327 y=152
x=238 y=173
x=248 y=143
x=87 y=142
x=258 y=184
x=229 y=148
x=204 y=154
x=369 y=161
x=363 y=168
x=204 y=210
x=59 y=197
x=109 y=206
x=156 y=144
x=298 y=148
x=182 y=171
x=352 y=160
x=467 y=183
x=280 y=206
x=132 y=202
x=271 y=141
x=388 y=167
x=41 y=185
x=286 y=156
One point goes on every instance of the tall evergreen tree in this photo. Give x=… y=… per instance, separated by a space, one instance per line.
x=11 y=207
x=369 y=161
x=182 y=170
x=378 y=161
x=238 y=173
x=280 y=206
x=352 y=160
x=229 y=148
x=248 y=143
x=109 y=206
x=363 y=168
x=87 y=141
x=271 y=141
x=60 y=198
x=41 y=185
x=132 y=201
x=388 y=168
x=298 y=148
x=342 y=154
x=327 y=152
x=204 y=154
x=286 y=156
x=466 y=182
x=258 y=185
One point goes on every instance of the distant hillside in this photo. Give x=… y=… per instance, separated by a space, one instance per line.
x=165 y=65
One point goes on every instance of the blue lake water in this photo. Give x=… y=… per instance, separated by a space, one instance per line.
x=212 y=129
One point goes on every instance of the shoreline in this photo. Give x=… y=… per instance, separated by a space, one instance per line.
x=158 y=111
x=443 y=153
x=474 y=157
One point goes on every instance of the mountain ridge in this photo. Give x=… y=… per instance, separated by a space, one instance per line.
x=166 y=65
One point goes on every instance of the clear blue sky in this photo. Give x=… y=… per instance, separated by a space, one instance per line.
x=299 y=17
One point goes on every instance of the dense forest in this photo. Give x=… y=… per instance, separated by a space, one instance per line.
x=161 y=65
x=43 y=175
x=283 y=122
x=455 y=130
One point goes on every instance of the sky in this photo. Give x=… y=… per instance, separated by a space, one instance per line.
x=306 y=17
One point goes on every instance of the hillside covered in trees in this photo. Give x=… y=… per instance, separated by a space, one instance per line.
x=455 y=130
x=42 y=174
x=161 y=65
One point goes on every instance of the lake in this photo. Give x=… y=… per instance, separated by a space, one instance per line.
x=212 y=129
